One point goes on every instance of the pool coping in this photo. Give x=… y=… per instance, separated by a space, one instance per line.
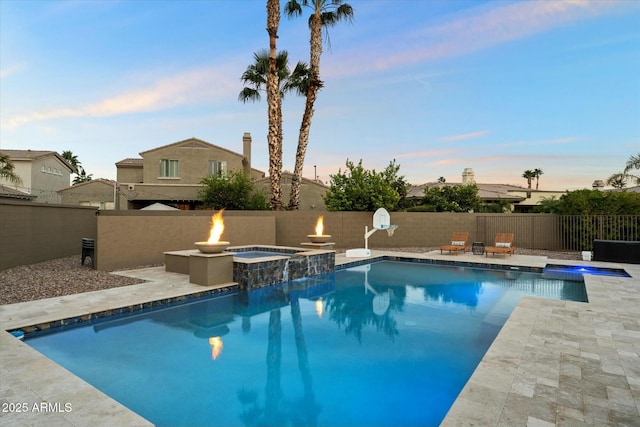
x=525 y=377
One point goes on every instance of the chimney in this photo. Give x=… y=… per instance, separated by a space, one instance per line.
x=246 y=152
x=598 y=184
x=467 y=176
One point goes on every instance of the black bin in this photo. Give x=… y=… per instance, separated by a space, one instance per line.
x=617 y=251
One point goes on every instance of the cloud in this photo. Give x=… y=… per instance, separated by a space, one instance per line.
x=466 y=136
x=479 y=28
x=190 y=87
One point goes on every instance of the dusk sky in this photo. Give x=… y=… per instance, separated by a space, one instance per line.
x=497 y=86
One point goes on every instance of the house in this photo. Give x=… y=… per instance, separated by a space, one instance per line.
x=12 y=193
x=171 y=174
x=311 y=191
x=100 y=193
x=42 y=174
x=519 y=199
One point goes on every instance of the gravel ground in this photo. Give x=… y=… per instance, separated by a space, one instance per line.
x=65 y=276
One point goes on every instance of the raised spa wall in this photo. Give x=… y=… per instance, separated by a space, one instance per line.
x=251 y=273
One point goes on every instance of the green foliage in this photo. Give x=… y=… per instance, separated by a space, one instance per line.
x=359 y=189
x=587 y=216
x=421 y=208
x=593 y=202
x=453 y=198
x=8 y=170
x=550 y=205
x=235 y=191
x=501 y=206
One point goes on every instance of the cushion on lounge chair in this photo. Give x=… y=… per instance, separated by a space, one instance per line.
x=503 y=245
x=457 y=243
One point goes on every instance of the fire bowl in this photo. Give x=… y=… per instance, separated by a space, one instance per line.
x=212 y=248
x=319 y=238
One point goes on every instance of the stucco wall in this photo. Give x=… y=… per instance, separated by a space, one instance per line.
x=33 y=232
x=129 y=174
x=134 y=238
x=92 y=193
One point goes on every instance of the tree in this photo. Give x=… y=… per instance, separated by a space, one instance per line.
x=592 y=202
x=235 y=191
x=326 y=13
x=72 y=160
x=255 y=79
x=274 y=109
x=452 y=198
x=359 y=189
x=441 y=180
x=619 y=180
x=537 y=173
x=81 y=174
x=529 y=175
x=8 y=170
x=255 y=76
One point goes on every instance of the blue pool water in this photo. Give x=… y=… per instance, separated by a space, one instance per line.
x=259 y=254
x=385 y=344
x=576 y=272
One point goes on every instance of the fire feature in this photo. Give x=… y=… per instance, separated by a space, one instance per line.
x=214 y=245
x=319 y=237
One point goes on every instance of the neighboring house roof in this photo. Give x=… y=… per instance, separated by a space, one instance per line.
x=635 y=189
x=98 y=181
x=485 y=191
x=12 y=193
x=192 y=143
x=131 y=162
x=286 y=177
x=31 y=155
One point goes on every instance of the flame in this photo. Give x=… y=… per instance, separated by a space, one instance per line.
x=217 y=227
x=319 y=307
x=216 y=347
x=320 y=226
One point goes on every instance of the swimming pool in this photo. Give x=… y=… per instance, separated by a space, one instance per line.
x=391 y=343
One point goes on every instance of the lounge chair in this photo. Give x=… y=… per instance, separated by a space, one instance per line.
x=458 y=243
x=503 y=245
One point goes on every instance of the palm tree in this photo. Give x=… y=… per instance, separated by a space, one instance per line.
x=619 y=180
x=82 y=176
x=326 y=13
x=8 y=170
x=72 y=160
x=255 y=79
x=529 y=175
x=633 y=163
x=537 y=173
x=255 y=76
x=274 y=107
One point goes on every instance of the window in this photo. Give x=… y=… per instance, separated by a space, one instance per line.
x=217 y=168
x=169 y=168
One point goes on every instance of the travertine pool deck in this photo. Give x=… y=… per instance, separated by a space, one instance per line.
x=554 y=363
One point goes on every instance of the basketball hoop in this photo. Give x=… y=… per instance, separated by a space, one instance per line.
x=390 y=229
